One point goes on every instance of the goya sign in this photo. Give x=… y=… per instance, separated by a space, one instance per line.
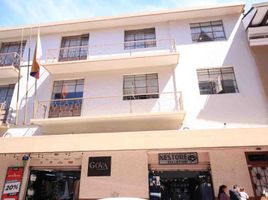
x=12 y=183
x=99 y=166
x=178 y=158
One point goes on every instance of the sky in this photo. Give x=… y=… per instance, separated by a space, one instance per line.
x=22 y=12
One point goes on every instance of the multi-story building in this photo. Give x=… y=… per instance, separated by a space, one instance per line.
x=133 y=105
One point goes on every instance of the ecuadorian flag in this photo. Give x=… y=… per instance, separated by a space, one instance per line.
x=37 y=58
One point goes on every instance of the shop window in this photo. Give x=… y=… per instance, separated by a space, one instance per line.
x=141 y=86
x=142 y=38
x=66 y=98
x=74 y=48
x=259 y=177
x=53 y=185
x=207 y=31
x=258 y=169
x=176 y=185
x=217 y=81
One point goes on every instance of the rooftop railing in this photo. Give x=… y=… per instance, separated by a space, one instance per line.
x=100 y=51
x=110 y=105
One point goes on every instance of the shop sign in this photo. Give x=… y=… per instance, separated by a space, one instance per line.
x=178 y=158
x=99 y=166
x=12 y=183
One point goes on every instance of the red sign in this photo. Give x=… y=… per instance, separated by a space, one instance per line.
x=12 y=183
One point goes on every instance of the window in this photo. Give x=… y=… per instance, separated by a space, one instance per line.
x=142 y=38
x=142 y=86
x=217 y=80
x=66 y=98
x=207 y=31
x=6 y=93
x=7 y=53
x=74 y=48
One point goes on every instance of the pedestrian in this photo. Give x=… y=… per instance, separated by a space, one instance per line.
x=264 y=195
x=234 y=193
x=223 y=193
x=243 y=194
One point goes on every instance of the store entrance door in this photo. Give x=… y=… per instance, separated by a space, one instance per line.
x=53 y=185
x=180 y=185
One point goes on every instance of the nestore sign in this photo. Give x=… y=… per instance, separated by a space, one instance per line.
x=178 y=158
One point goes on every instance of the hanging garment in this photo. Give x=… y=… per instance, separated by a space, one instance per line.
x=66 y=193
x=76 y=190
x=206 y=191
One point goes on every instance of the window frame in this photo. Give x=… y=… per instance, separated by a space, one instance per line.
x=221 y=75
x=6 y=109
x=6 y=57
x=73 y=105
x=199 y=25
x=82 y=49
x=140 y=43
x=137 y=95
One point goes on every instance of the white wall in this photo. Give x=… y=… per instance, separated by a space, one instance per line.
x=233 y=171
x=244 y=109
x=129 y=176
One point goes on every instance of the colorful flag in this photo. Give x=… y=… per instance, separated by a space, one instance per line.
x=37 y=58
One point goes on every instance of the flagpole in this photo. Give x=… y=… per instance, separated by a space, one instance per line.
x=35 y=85
x=27 y=83
x=18 y=86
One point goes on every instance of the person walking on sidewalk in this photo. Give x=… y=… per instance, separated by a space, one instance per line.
x=234 y=193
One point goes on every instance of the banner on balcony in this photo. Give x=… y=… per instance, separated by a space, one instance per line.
x=12 y=183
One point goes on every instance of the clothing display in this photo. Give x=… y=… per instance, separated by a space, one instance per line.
x=54 y=185
x=180 y=186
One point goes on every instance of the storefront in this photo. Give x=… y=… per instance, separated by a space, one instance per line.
x=141 y=170
x=53 y=184
x=180 y=176
x=258 y=170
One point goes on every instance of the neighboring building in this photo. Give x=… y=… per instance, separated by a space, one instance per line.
x=131 y=105
x=256 y=23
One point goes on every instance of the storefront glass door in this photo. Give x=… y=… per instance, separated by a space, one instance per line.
x=180 y=185
x=53 y=185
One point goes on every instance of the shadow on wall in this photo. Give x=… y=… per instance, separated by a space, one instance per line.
x=42 y=84
x=247 y=106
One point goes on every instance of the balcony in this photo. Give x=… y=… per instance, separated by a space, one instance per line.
x=102 y=114
x=9 y=64
x=111 y=56
x=4 y=116
x=258 y=36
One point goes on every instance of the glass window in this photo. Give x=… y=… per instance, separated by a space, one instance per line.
x=74 y=48
x=217 y=81
x=66 y=98
x=142 y=38
x=6 y=93
x=142 y=86
x=9 y=53
x=207 y=31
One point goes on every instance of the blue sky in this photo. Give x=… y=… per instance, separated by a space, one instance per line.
x=20 y=12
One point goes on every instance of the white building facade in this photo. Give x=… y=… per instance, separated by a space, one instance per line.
x=147 y=105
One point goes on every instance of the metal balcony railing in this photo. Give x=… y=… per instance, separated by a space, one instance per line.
x=109 y=105
x=5 y=114
x=10 y=59
x=92 y=51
